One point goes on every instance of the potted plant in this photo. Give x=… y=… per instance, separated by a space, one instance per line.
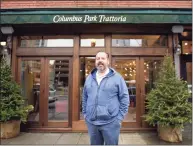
x=13 y=109
x=167 y=104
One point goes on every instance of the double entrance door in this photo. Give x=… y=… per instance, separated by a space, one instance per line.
x=46 y=85
x=139 y=74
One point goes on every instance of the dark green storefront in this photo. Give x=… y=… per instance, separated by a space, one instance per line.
x=47 y=16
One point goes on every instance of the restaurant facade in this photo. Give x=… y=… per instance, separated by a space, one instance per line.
x=52 y=51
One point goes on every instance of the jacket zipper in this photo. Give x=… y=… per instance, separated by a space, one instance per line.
x=96 y=99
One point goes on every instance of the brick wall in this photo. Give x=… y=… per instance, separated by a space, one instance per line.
x=12 y=4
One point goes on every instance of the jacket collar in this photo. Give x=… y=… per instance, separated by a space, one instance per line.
x=111 y=72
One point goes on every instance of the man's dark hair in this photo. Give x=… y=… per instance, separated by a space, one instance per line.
x=105 y=53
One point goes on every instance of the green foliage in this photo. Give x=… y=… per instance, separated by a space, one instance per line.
x=11 y=101
x=167 y=103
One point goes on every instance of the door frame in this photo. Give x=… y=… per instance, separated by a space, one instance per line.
x=138 y=101
x=54 y=123
x=39 y=123
x=142 y=87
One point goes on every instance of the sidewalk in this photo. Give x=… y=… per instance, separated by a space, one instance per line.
x=143 y=138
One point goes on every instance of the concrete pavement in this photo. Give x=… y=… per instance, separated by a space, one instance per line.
x=82 y=138
x=141 y=138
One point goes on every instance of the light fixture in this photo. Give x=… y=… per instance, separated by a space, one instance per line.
x=177 y=46
x=185 y=34
x=3 y=43
x=178 y=49
x=177 y=29
x=51 y=62
x=7 y=30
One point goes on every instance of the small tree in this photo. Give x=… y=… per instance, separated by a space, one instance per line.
x=11 y=101
x=167 y=103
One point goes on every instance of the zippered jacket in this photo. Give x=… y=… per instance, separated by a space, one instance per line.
x=104 y=103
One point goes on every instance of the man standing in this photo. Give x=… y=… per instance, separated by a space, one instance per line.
x=105 y=102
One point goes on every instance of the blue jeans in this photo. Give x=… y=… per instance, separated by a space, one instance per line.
x=104 y=134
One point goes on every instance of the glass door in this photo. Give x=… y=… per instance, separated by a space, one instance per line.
x=186 y=72
x=139 y=74
x=57 y=92
x=150 y=67
x=30 y=77
x=129 y=69
x=46 y=85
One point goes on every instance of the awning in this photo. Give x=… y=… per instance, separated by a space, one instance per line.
x=132 y=16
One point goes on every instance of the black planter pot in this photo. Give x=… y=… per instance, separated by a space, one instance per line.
x=24 y=127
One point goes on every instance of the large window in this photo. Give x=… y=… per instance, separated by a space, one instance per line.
x=151 y=41
x=186 y=47
x=186 y=40
x=186 y=58
x=39 y=41
x=92 y=41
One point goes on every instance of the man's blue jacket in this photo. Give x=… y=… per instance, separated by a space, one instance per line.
x=104 y=103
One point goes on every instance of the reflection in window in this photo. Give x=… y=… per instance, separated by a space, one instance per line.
x=127 y=68
x=139 y=41
x=31 y=43
x=87 y=64
x=186 y=47
x=151 y=69
x=30 y=84
x=39 y=41
x=58 y=43
x=58 y=94
x=89 y=41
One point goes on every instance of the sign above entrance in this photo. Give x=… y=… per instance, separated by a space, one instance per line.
x=96 y=16
x=90 y=19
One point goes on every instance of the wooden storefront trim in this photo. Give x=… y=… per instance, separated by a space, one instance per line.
x=75 y=124
x=108 y=46
x=142 y=94
x=75 y=81
x=138 y=51
x=170 y=45
x=14 y=59
x=90 y=51
x=44 y=52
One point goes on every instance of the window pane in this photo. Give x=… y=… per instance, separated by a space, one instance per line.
x=151 y=69
x=39 y=41
x=30 y=84
x=139 y=41
x=186 y=47
x=92 y=41
x=31 y=43
x=58 y=43
x=86 y=66
x=58 y=90
x=127 y=68
x=189 y=75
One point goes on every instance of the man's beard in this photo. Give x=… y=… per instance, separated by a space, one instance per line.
x=102 y=68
